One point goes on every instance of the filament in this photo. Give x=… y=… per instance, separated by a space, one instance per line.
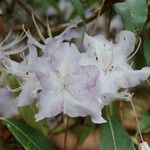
x=6 y=38
x=48 y=28
x=38 y=30
x=14 y=51
x=33 y=40
x=14 y=90
x=16 y=41
x=136 y=50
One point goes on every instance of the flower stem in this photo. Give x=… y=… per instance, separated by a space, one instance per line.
x=66 y=132
x=137 y=122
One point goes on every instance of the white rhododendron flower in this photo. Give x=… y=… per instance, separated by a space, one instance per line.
x=67 y=87
x=23 y=70
x=10 y=48
x=63 y=80
x=111 y=58
x=52 y=43
x=8 y=107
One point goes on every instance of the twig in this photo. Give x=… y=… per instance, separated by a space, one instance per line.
x=106 y=6
x=30 y=11
x=59 y=29
x=97 y=19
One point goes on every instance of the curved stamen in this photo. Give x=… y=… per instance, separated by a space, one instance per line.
x=24 y=57
x=14 y=42
x=48 y=28
x=15 y=51
x=38 y=30
x=6 y=38
x=14 y=90
x=136 y=50
x=33 y=40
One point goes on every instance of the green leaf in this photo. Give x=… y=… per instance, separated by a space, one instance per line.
x=86 y=133
x=13 y=83
x=28 y=114
x=147 y=50
x=29 y=138
x=145 y=123
x=114 y=137
x=112 y=110
x=79 y=8
x=54 y=3
x=44 y=4
x=133 y=14
x=82 y=132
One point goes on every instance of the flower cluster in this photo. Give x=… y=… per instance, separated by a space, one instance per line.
x=64 y=80
x=8 y=47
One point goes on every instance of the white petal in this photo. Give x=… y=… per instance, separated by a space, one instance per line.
x=49 y=80
x=85 y=77
x=66 y=59
x=82 y=106
x=15 y=67
x=26 y=97
x=131 y=78
x=53 y=43
x=80 y=99
x=86 y=60
x=100 y=50
x=125 y=42
x=128 y=78
x=50 y=104
x=7 y=104
x=32 y=56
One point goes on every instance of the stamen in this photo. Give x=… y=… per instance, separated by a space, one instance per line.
x=23 y=57
x=33 y=40
x=26 y=32
x=14 y=90
x=16 y=41
x=15 y=51
x=136 y=50
x=38 y=30
x=48 y=28
x=6 y=38
x=132 y=63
